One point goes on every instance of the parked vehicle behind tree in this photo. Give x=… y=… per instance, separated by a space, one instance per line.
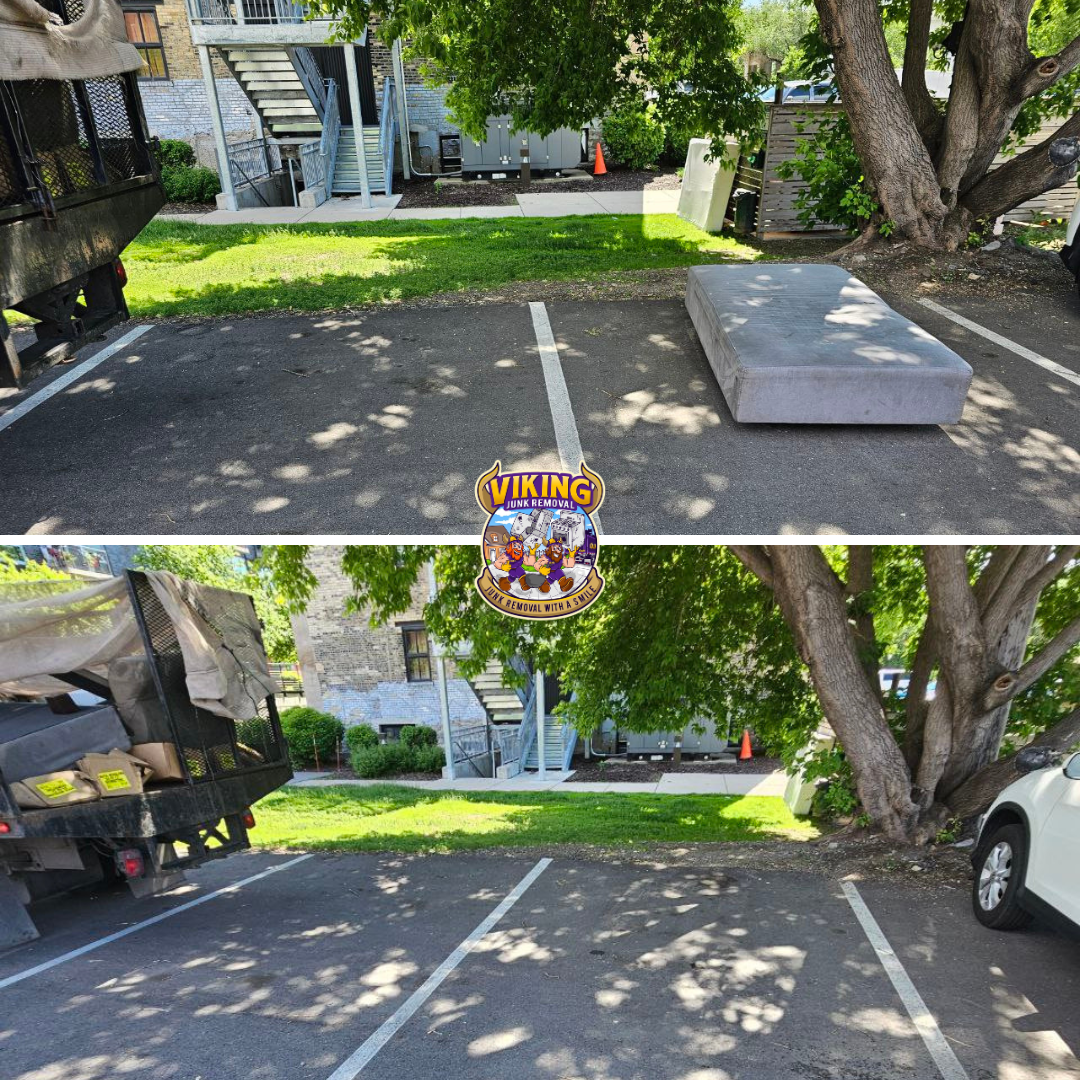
x=1027 y=860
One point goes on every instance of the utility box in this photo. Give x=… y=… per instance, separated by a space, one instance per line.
x=640 y=744
x=500 y=150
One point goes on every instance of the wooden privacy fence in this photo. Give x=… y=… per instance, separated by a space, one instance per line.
x=777 y=209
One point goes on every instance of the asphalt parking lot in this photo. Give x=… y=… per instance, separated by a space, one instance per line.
x=381 y=422
x=339 y=965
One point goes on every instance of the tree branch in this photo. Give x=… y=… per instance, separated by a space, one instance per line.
x=977 y=793
x=1048 y=573
x=755 y=557
x=913 y=82
x=1046 y=70
x=1013 y=593
x=860 y=584
x=1048 y=656
x=1024 y=177
x=915 y=708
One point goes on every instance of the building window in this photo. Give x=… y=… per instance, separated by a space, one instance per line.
x=417 y=655
x=145 y=34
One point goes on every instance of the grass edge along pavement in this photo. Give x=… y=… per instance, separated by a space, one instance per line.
x=181 y=268
x=389 y=817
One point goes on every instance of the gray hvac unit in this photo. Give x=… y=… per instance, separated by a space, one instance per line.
x=663 y=742
x=500 y=151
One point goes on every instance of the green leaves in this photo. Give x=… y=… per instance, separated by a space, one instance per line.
x=556 y=63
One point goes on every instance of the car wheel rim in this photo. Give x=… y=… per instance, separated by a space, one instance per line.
x=994 y=877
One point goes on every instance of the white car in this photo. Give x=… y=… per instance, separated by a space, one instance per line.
x=1027 y=858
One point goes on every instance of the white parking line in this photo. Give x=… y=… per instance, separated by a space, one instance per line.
x=389 y=1027
x=67 y=379
x=925 y=1024
x=1004 y=342
x=84 y=949
x=562 y=412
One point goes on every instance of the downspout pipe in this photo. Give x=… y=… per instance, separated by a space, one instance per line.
x=406 y=143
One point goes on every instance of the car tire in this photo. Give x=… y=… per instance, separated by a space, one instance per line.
x=1000 y=863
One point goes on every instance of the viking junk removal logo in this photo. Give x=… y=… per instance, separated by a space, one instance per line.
x=539 y=543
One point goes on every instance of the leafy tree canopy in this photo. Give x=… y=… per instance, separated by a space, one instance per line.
x=32 y=571
x=681 y=634
x=555 y=63
x=220 y=565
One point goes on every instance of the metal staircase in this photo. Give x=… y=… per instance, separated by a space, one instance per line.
x=500 y=700
x=559 y=742
x=283 y=85
x=347 y=172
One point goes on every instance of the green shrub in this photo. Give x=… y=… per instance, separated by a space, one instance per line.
x=415 y=736
x=360 y=737
x=309 y=732
x=836 y=796
x=836 y=191
x=393 y=759
x=632 y=136
x=677 y=143
x=189 y=184
x=428 y=759
x=385 y=760
x=175 y=152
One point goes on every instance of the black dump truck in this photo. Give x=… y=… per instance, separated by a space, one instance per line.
x=78 y=180
x=144 y=758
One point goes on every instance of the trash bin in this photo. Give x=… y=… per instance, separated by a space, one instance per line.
x=745 y=213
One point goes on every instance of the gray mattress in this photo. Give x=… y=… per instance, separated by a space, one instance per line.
x=34 y=740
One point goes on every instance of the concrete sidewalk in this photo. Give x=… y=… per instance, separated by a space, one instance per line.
x=534 y=204
x=669 y=784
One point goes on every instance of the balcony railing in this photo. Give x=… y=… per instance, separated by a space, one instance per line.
x=247 y=12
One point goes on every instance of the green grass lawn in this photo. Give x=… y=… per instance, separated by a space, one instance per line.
x=177 y=268
x=386 y=817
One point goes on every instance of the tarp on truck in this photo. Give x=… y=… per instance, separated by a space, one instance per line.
x=35 y=43
x=48 y=628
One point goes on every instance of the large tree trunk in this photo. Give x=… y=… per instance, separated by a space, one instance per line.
x=931 y=172
x=812 y=600
x=981 y=789
x=889 y=144
x=975 y=638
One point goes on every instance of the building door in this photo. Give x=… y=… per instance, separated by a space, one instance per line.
x=331 y=63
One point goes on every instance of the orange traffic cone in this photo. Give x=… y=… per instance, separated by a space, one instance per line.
x=599 y=168
x=745 y=753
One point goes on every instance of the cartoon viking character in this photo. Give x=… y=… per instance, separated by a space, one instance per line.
x=554 y=556
x=513 y=560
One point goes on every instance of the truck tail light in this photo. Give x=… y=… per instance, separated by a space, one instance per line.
x=121 y=274
x=5 y=828
x=248 y=818
x=130 y=863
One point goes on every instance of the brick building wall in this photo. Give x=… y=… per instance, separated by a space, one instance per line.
x=177 y=107
x=356 y=671
x=428 y=115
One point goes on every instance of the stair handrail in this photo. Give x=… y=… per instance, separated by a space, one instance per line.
x=527 y=696
x=318 y=157
x=331 y=133
x=388 y=132
x=309 y=74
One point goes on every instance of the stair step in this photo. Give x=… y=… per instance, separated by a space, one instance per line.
x=264 y=65
x=273 y=78
x=287 y=109
x=247 y=52
x=283 y=92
